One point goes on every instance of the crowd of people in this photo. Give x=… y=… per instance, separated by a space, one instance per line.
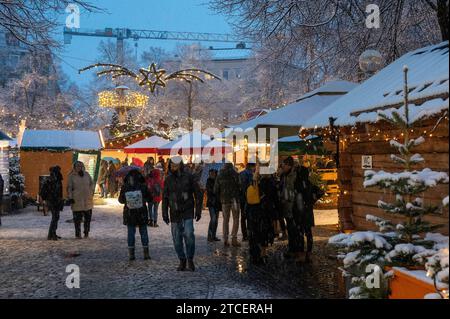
x=265 y=207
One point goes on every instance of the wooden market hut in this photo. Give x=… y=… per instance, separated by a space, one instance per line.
x=42 y=149
x=290 y=118
x=364 y=138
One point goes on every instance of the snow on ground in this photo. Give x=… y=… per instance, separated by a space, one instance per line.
x=33 y=267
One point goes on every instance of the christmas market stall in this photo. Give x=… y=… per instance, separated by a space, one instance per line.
x=368 y=124
x=145 y=148
x=42 y=149
x=288 y=119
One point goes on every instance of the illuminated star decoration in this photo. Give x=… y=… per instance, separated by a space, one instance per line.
x=151 y=77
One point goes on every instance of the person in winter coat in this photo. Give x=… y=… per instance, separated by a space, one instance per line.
x=245 y=178
x=2 y=187
x=149 y=165
x=155 y=185
x=102 y=176
x=112 y=179
x=288 y=197
x=309 y=194
x=135 y=196
x=52 y=194
x=80 y=191
x=270 y=205
x=227 y=188
x=183 y=197
x=213 y=204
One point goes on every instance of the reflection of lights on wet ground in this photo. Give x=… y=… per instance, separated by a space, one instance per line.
x=241 y=265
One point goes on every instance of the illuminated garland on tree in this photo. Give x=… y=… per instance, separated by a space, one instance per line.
x=151 y=77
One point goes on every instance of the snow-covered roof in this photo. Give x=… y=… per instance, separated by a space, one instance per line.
x=428 y=79
x=309 y=104
x=231 y=54
x=150 y=144
x=59 y=139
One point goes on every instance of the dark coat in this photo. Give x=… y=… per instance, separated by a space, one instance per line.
x=245 y=179
x=138 y=216
x=52 y=191
x=2 y=187
x=182 y=195
x=227 y=186
x=212 y=199
x=310 y=193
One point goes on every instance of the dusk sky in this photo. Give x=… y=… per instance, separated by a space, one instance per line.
x=167 y=15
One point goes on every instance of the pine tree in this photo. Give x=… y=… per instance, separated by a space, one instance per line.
x=114 y=127
x=130 y=126
x=16 y=179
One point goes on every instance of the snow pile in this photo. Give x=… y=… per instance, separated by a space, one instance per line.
x=358 y=238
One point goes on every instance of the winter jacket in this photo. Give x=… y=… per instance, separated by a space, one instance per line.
x=270 y=202
x=227 y=186
x=155 y=185
x=182 y=195
x=52 y=193
x=81 y=191
x=148 y=168
x=102 y=174
x=246 y=179
x=288 y=193
x=212 y=200
x=309 y=194
x=132 y=195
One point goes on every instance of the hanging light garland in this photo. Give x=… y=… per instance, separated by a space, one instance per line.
x=151 y=77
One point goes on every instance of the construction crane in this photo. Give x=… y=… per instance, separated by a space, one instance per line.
x=122 y=34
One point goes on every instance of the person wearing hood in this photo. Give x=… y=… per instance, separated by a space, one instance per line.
x=80 y=191
x=135 y=196
x=184 y=199
x=52 y=194
x=155 y=185
x=227 y=188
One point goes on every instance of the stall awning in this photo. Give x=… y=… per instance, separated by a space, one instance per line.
x=148 y=146
x=194 y=142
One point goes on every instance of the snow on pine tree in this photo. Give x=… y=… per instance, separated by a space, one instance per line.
x=402 y=244
x=114 y=126
x=16 y=179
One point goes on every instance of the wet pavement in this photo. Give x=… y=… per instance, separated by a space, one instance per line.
x=32 y=267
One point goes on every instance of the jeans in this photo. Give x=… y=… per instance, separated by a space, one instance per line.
x=77 y=217
x=213 y=222
x=54 y=223
x=184 y=230
x=153 y=211
x=132 y=235
x=234 y=209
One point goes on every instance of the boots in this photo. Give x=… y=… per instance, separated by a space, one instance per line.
x=235 y=243
x=226 y=243
x=182 y=266
x=146 y=253
x=131 y=254
x=190 y=265
x=283 y=237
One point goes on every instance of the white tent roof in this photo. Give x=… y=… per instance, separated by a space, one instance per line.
x=193 y=140
x=428 y=76
x=75 y=140
x=297 y=113
x=151 y=142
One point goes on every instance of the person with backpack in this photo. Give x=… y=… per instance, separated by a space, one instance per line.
x=135 y=196
x=213 y=204
x=227 y=188
x=155 y=185
x=52 y=194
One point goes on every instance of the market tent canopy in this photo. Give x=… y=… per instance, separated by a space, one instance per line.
x=428 y=80
x=295 y=114
x=61 y=140
x=191 y=142
x=149 y=145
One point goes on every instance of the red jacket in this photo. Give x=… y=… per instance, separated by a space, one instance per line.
x=153 y=182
